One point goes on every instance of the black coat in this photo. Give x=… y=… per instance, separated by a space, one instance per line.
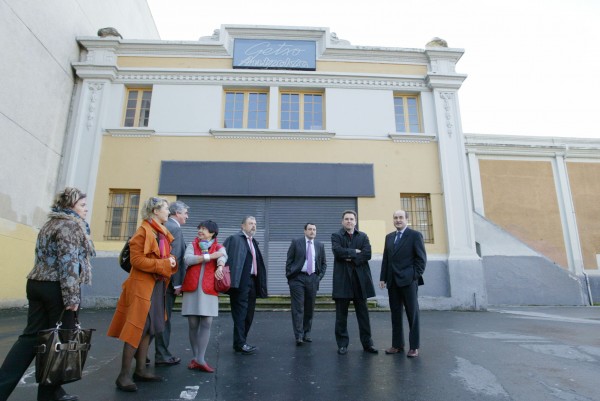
x=344 y=248
x=237 y=249
x=404 y=263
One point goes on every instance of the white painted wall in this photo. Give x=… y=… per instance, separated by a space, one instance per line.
x=185 y=109
x=360 y=112
x=38 y=45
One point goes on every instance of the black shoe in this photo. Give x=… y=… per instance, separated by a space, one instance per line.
x=342 y=350
x=246 y=349
x=299 y=342
x=371 y=350
x=307 y=339
x=128 y=388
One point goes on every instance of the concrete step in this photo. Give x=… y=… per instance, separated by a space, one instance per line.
x=278 y=303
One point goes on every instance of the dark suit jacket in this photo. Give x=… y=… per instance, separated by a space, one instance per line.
x=345 y=248
x=404 y=263
x=237 y=249
x=178 y=250
x=296 y=257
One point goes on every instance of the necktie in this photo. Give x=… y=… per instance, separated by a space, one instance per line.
x=398 y=236
x=254 y=269
x=309 y=258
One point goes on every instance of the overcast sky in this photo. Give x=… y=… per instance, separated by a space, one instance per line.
x=533 y=66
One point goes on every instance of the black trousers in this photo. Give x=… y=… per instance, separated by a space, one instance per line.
x=405 y=298
x=162 y=340
x=362 y=315
x=303 y=293
x=243 y=304
x=45 y=307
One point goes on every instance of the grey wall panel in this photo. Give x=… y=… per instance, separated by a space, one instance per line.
x=266 y=179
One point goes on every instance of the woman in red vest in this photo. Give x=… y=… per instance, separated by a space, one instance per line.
x=205 y=259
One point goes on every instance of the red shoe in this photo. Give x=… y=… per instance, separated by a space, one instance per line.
x=203 y=368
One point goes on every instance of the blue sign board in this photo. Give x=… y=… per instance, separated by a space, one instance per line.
x=275 y=54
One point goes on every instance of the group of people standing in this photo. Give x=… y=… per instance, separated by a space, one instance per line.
x=163 y=267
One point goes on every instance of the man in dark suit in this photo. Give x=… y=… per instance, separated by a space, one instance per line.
x=304 y=269
x=402 y=267
x=248 y=282
x=178 y=215
x=352 y=281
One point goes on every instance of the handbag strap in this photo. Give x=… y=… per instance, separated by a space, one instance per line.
x=76 y=313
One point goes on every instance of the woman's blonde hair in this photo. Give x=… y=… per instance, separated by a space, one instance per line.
x=67 y=198
x=150 y=205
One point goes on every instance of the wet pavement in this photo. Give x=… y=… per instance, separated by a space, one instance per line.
x=525 y=353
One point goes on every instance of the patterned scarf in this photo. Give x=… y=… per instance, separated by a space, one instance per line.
x=73 y=213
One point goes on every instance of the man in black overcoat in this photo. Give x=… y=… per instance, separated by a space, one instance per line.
x=352 y=281
x=402 y=267
x=248 y=281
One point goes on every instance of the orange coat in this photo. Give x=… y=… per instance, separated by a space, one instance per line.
x=134 y=303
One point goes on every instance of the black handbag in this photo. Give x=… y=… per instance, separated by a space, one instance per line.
x=61 y=353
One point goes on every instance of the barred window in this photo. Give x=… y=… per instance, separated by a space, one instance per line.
x=121 y=216
x=418 y=207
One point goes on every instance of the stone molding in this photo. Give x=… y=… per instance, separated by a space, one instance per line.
x=294 y=135
x=133 y=132
x=412 y=138
x=281 y=79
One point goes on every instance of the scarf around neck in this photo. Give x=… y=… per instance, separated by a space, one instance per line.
x=163 y=243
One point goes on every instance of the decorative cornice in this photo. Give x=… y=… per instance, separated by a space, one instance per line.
x=294 y=135
x=133 y=132
x=531 y=146
x=280 y=78
x=414 y=138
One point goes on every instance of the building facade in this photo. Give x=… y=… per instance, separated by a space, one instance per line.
x=288 y=124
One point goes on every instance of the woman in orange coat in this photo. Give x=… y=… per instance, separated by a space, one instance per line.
x=140 y=310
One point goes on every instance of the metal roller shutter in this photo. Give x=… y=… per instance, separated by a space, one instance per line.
x=279 y=220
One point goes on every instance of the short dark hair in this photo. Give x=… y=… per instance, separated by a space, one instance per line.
x=211 y=226
x=309 y=224
x=246 y=218
x=177 y=206
x=349 y=212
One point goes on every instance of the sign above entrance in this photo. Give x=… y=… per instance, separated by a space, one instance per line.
x=275 y=54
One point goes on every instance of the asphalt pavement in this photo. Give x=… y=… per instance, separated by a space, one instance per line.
x=506 y=353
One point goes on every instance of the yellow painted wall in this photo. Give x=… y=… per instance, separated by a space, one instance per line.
x=134 y=163
x=520 y=196
x=584 y=179
x=227 y=63
x=174 y=62
x=372 y=68
x=18 y=244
